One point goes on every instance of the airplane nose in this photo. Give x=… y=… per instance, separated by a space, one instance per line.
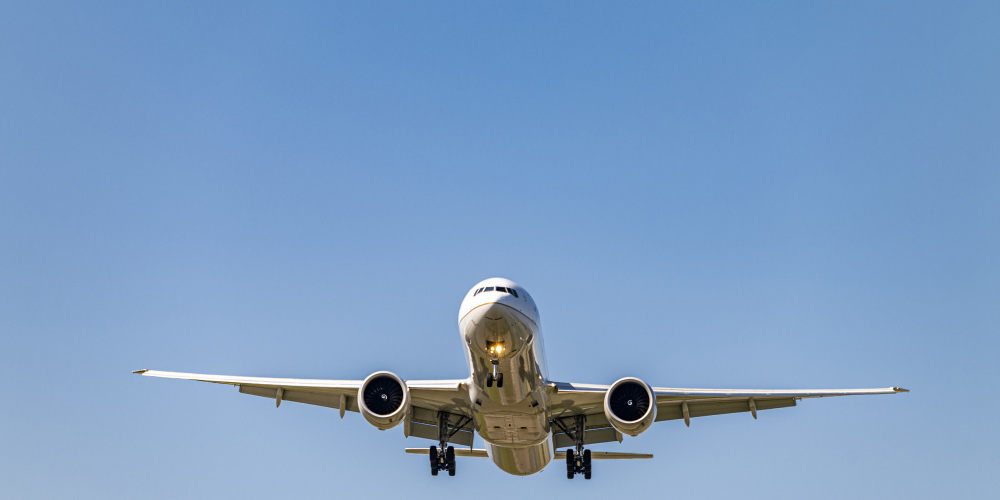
x=491 y=311
x=496 y=330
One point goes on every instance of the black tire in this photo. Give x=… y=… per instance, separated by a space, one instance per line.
x=570 y=464
x=489 y=380
x=434 y=460
x=499 y=380
x=586 y=464
x=450 y=457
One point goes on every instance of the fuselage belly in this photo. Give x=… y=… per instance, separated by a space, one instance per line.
x=499 y=325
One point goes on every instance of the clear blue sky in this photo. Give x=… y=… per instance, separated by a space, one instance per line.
x=723 y=194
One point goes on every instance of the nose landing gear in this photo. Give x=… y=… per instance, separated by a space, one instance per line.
x=495 y=349
x=494 y=377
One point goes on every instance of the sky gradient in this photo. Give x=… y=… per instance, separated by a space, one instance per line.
x=728 y=194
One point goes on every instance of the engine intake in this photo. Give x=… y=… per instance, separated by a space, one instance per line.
x=383 y=400
x=630 y=406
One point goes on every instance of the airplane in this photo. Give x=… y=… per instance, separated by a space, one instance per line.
x=508 y=398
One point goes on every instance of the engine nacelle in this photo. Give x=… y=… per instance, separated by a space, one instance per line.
x=384 y=400
x=630 y=406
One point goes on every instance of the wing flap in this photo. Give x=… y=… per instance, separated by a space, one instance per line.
x=673 y=411
x=424 y=424
x=424 y=431
x=305 y=397
x=603 y=435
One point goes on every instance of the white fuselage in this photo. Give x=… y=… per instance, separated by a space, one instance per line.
x=512 y=419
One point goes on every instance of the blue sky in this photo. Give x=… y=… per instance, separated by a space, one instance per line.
x=732 y=194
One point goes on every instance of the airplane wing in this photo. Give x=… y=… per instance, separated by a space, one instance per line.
x=427 y=397
x=569 y=400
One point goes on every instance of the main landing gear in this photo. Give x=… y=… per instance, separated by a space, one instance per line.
x=443 y=458
x=578 y=462
x=494 y=377
x=443 y=461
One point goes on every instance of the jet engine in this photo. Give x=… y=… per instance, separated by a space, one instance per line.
x=383 y=400
x=630 y=406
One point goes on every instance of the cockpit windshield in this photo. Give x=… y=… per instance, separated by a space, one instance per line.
x=500 y=289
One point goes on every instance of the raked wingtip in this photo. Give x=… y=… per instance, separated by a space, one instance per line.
x=900 y=389
x=140 y=372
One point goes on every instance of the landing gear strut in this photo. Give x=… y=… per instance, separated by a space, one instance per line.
x=491 y=377
x=444 y=459
x=578 y=462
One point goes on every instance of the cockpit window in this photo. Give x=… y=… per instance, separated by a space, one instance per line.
x=496 y=288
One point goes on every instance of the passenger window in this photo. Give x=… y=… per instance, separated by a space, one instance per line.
x=512 y=292
x=488 y=289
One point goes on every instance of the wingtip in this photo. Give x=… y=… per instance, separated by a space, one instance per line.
x=900 y=389
x=140 y=372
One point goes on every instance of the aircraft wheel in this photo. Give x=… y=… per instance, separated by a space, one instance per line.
x=450 y=457
x=489 y=380
x=434 y=460
x=499 y=380
x=570 y=464
x=586 y=464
